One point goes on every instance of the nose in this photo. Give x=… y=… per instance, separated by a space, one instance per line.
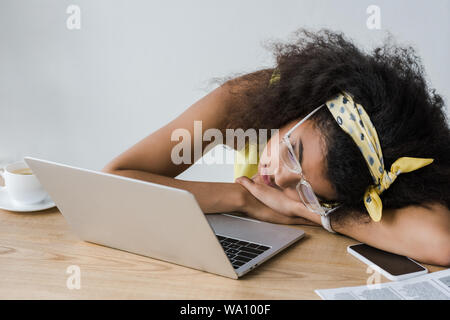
x=272 y=165
x=285 y=178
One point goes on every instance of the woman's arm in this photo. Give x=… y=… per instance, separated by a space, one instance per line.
x=153 y=153
x=150 y=159
x=416 y=232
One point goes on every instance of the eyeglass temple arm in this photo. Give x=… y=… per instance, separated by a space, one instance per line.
x=333 y=209
x=304 y=119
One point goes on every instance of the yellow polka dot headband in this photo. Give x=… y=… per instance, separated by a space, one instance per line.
x=353 y=119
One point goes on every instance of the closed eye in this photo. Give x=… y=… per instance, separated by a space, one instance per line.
x=292 y=157
x=298 y=147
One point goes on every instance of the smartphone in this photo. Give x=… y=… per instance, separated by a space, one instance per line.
x=392 y=266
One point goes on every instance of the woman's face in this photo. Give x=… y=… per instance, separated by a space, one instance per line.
x=309 y=148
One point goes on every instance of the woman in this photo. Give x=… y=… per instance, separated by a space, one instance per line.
x=383 y=170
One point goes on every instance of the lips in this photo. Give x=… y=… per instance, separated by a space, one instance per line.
x=268 y=181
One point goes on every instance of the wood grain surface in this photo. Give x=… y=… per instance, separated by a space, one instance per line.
x=37 y=248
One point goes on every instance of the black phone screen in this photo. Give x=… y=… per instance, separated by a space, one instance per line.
x=392 y=263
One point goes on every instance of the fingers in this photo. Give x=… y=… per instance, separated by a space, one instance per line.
x=271 y=197
x=272 y=205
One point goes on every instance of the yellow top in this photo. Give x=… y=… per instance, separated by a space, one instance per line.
x=246 y=161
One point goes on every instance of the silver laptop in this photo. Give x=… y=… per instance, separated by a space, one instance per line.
x=159 y=221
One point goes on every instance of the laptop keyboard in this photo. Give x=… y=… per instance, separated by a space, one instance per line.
x=240 y=252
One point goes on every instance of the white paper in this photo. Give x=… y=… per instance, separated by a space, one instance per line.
x=432 y=286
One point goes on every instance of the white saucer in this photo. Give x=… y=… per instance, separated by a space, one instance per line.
x=7 y=204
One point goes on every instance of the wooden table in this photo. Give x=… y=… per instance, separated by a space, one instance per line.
x=37 y=248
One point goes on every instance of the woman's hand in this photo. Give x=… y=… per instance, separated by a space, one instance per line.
x=271 y=205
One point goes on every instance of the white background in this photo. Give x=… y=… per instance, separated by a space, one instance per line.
x=83 y=96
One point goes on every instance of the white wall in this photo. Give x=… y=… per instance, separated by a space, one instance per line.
x=83 y=96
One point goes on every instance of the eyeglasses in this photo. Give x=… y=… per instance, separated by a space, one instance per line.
x=304 y=189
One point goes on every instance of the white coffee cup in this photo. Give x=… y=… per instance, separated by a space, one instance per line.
x=23 y=188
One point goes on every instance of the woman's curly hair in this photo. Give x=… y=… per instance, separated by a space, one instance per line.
x=389 y=82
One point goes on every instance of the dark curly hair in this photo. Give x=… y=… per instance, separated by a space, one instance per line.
x=389 y=82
